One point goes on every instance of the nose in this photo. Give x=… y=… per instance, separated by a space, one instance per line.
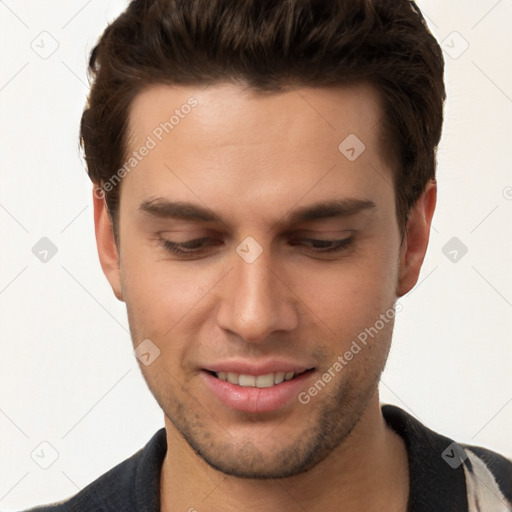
x=256 y=299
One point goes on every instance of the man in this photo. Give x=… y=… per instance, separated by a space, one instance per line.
x=264 y=179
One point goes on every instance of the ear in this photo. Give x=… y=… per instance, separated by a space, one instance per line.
x=105 y=241
x=415 y=242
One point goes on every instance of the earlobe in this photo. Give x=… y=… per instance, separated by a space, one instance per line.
x=106 y=244
x=415 y=242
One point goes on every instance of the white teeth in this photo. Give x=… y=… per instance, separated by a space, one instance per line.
x=265 y=381
x=247 y=381
x=279 y=377
x=232 y=378
x=250 y=381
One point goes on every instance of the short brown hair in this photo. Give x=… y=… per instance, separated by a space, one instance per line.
x=268 y=45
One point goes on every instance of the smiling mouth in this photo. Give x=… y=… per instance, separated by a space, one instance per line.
x=261 y=381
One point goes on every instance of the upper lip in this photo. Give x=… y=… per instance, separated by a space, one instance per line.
x=255 y=368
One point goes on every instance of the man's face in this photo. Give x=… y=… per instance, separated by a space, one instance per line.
x=256 y=294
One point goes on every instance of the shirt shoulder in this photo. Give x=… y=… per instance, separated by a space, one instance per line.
x=488 y=478
x=133 y=485
x=446 y=475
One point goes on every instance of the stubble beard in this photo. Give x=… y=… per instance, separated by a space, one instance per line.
x=334 y=422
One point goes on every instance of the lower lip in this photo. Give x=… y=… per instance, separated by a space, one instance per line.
x=248 y=399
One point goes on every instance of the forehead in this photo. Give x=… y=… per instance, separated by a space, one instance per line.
x=227 y=144
x=227 y=113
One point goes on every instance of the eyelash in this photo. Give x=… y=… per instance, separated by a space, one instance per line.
x=175 y=248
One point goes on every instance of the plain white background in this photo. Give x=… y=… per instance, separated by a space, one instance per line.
x=68 y=376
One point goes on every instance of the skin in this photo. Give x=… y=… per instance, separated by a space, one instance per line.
x=252 y=159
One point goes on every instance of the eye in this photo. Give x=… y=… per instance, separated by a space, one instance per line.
x=329 y=246
x=190 y=247
x=199 y=246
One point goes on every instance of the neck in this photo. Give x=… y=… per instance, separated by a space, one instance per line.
x=367 y=472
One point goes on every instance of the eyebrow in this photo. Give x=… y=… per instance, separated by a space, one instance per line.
x=336 y=208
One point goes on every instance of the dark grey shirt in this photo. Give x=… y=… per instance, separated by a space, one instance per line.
x=444 y=476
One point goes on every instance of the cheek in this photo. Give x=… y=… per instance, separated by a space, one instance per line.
x=152 y=296
x=353 y=294
x=160 y=295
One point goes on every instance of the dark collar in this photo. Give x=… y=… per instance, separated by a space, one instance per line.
x=434 y=485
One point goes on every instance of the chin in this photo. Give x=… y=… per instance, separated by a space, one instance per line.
x=279 y=454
